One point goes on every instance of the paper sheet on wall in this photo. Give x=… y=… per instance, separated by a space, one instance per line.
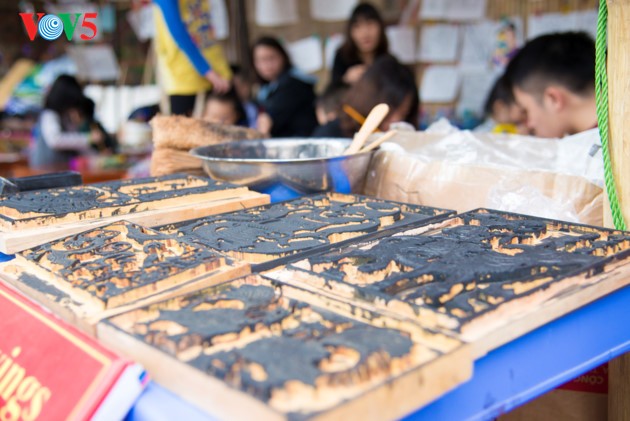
x=549 y=23
x=586 y=20
x=439 y=84
x=95 y=63
x=306 y=54
x=452 y=10
x=402 y=43
x=332 y=10
x=490 y=42
x=465 y=10
x=439 y=43
x=433 y=9
x=276 y=12
x=141 y=21
x=475 y=87
x=478 y=44
x=333 y=43
x=220 y=19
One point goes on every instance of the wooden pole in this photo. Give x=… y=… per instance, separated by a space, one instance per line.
x=619 y=110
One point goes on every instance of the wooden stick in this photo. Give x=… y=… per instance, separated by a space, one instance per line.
x=354 y=114
x=619 y=85
x=373 y=120
x=379 y=141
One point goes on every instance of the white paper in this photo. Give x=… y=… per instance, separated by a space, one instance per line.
x=465 y=10
x=439 y=84
x=141 y=21
x=549 y=23
x=333 y=43
x=332 y=10
x=433 y=9
x=481 y=41
x=586 y=20
x=220 y=19
x=115 y=103
x=96 y=63
x=276 y=12
x=439 y=43
x=452 y=10
x=475 y=87
x=402 y=43
x=478 y=44
x=306 y=54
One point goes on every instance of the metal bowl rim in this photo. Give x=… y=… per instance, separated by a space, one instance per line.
x=195 y=151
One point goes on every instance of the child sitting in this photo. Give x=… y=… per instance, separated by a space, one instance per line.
x=225 y=109
x=503 y=114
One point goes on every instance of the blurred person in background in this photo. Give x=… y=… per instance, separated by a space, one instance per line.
x=190 y=59
x=66 y=127
x=286 y=96
x=553 y=80
x=365 y=41
x=386 y=81
x=328 y=108
x=225 y=109
x=503 y=114
x=243 y=88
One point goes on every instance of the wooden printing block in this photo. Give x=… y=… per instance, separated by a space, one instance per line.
x=487 y=275
x=106 y=270
x=33 y=218
x=257 y=348
x=262 y=234
x=80 y=203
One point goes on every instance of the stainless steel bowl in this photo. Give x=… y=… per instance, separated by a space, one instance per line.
x=298 y=165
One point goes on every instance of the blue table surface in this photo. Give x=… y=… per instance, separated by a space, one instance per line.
x=502 y=380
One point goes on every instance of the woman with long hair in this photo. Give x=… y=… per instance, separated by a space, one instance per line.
x=66 y=127
x=286 y=96
x=365 y=41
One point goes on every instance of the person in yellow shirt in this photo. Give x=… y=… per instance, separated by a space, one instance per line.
x=190 y=58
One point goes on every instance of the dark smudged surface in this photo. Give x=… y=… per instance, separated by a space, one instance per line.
x=467 y=270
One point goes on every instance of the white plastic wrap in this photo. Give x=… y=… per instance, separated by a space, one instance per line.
x=461 y=170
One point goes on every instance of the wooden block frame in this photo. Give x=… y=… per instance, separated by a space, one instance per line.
x=110 y=269
x=150 y=201
x=529 y=299
x=443 y=362
x=273 y=235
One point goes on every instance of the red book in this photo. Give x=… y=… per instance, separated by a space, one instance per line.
x=51 y=371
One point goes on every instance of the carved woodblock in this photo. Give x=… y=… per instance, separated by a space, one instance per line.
x=268 y=342
x=80 y=203
x=266 y=233
x=475 y=271
x=113 y=266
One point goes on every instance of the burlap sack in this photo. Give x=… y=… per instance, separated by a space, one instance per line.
x=170 y=161
x=175 y=136
x=185 y=133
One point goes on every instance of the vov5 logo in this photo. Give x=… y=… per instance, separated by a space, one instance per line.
x=50 y=27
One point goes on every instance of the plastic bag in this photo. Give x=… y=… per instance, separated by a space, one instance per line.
x=512 y=196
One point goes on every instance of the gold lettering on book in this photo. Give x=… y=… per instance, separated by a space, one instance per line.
x=22 y=397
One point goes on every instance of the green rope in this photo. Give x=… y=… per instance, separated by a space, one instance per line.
x=601 y=94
